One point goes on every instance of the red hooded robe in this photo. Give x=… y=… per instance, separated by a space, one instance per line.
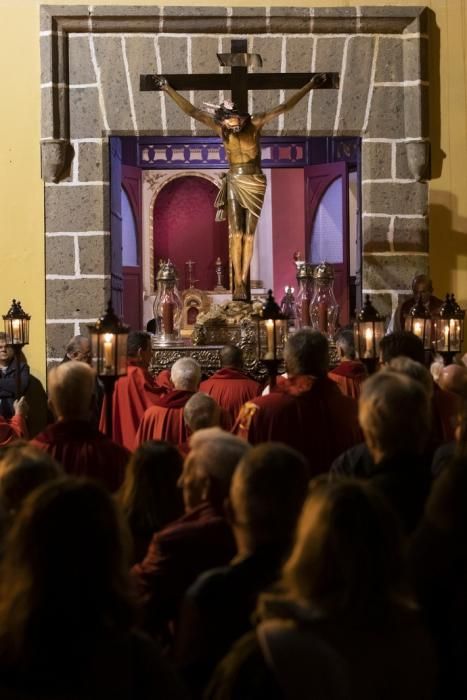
x=165 y=421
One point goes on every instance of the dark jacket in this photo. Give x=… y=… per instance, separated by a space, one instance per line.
x=8 y=387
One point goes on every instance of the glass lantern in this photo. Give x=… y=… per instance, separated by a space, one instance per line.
x=16 y=322
x=324 y=309
x=272 y=333
x=167 y=305
x=449 y=331
x=288 y=307
x=304 y=293
x=368 y=332
x=109 y=345
x=418 y=322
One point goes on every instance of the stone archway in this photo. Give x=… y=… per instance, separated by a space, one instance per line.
x=91 y=62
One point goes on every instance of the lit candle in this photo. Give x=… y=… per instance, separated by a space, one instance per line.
x=270 y=340
x=417 y=329
x=108 y=354
x=446 y=336
x=15 y=327
x=369 y=342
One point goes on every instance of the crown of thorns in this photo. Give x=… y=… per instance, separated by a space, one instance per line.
x=224 y=111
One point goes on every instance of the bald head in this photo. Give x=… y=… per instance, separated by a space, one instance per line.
x=201 y=411
x=71 y=386
x=79 y=348
x=454 y=378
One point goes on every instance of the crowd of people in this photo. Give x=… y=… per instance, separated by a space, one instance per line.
x=224 y=542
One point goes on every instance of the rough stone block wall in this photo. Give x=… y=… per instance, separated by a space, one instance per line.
x=91 y=62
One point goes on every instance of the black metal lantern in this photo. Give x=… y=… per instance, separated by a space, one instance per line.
x=109 y=344
x=16 y=322
x=109 y=337
x=272 y=334
x=449 y=329
x=368 y=332
x=418 y=322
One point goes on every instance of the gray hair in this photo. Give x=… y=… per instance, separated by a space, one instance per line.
x=394 y=413
x=201 y=411
x=186 y=374
x=71 y=386
x=218 y=453
x=307 y=352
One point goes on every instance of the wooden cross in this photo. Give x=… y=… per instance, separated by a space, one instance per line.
x=239 y=81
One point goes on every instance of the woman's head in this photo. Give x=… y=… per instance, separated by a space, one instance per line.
x=149 y=495
x=347 y=552
x=64 y=573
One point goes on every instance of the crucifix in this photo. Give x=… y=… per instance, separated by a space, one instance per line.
x=244 y=185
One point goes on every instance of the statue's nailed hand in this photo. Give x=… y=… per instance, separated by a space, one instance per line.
x=160 y=82
x=319 y=79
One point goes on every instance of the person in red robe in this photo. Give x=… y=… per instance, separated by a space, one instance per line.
x=133 y=393
x=199 y=540
x=349 y=374
x=164 y=381
x=15 y=428
x=73 y=440
x=164 y=420
x=230 y=386
x=309 y=412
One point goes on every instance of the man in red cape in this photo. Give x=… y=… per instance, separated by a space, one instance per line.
x=164 y=421
x=73 y=440
x=308 y=412
x=230 y=386
x=134 y=393
x=349 y=374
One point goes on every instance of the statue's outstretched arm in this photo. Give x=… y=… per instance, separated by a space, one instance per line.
x=260 y=119
x=186 y=106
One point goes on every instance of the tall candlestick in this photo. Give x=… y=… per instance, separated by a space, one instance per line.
x=270 y=340
x=168 y=317
x=305 y=313
x=323 y=316
x=108 y=347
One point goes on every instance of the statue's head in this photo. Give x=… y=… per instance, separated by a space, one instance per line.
x=229 y=117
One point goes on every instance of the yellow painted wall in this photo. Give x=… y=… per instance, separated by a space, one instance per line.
x=22 y=271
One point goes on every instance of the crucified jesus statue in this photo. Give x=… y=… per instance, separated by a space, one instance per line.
x=245 y=184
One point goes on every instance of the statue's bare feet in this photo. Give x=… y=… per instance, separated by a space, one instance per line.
x=240 y=292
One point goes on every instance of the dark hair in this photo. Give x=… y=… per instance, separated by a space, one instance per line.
x=149 y=495
x=401 y=343
x=231 y=356
x=307 y=352
x=345 y=340
x=223 y=113
x=137 y=340
x=348 y=551
x=63 y=580
x=268 y=490
x=24 y=468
